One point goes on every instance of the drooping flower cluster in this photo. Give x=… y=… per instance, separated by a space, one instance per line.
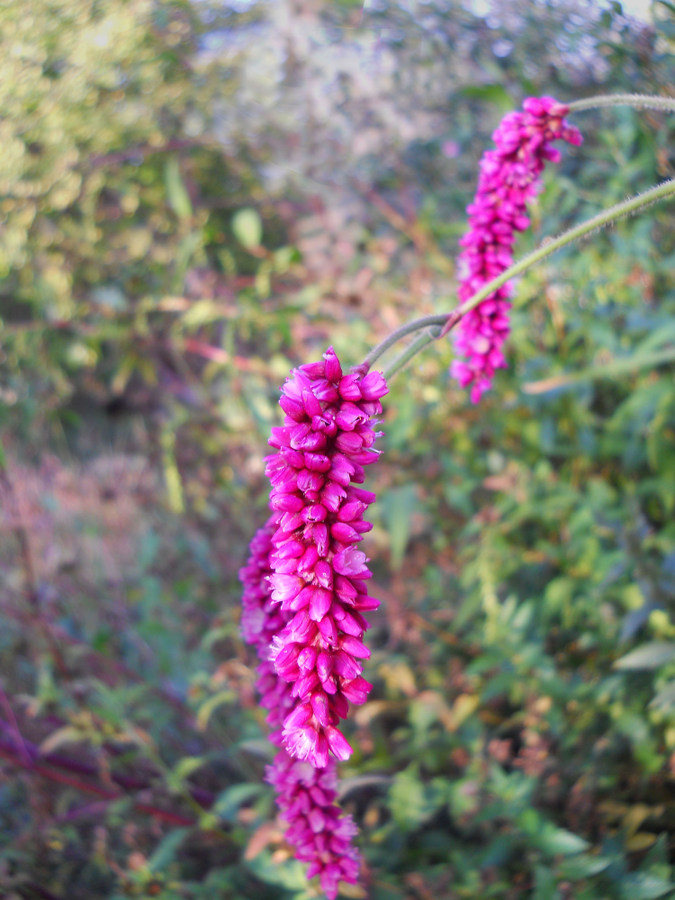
x=319 y=575
x=261 y=620
x=318 y=830
x=307 y=797
x=509 y=177
x=304 y=599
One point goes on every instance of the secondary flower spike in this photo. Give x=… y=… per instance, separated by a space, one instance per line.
x=509 y=177
x=318 y=830
x=319 y=576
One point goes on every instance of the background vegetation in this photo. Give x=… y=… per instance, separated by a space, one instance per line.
x=194 y=198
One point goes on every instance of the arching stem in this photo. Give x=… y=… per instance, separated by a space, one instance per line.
x=638 y=101
x=606 y=217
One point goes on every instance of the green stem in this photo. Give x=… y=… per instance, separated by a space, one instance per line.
x=413 y=349
x=409 y=328
x=606 y=217
x=638 y=101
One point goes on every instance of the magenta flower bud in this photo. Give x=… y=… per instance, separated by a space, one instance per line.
x=283 y=566
x=289 y=549
x=300 y=629
x=316 y=819
x=307 y=658
x=285 y=586
x=337 y=743
x=321 y=708
x=350 y=561
x=281 y=437
x=287 y=660
x=303 y=685
x=373 y=386
x=324 y=665
x=328 y=631
x=361 y=526
x=356 y=690
x=287 y=502
x=320 y=603
x=301 y=599
x=299 y=717
x=333 y=368
x=311 y=404
x=346 y=666
x=349 y=442
x=350 y=416
x=347 y=622
x=314 y=513
x=329 y=686
x=352 y=510
x=344 y=533
x=292 y=408
x=309 y=481
x=323 y=572
x=366 y=604
x=319 y=534
x=303 y=438
x=355 y=647
x=326 y=392
x=308 y=561
x=314 y=371
x=349 y=387
x=345 y=588
x=317 y=462
x=340 y=703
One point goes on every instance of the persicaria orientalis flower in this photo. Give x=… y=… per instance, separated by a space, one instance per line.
x=319 y=832
x=319 y=576
x=304 y=598
x=509 y=177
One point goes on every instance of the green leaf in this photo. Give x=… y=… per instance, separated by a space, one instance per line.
x=583 y=866
x=559 y=841
x=179 y=199
x=490 y=93
x=648 y=656
x=182 y=770
x=411 y=801
x=166 y=851
x=229 y=802
x=645 y=887
x=398 y=507
x=289 y=875
x=209 y=706
x=247 y=227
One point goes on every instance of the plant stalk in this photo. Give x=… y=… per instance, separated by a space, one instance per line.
x=606 y=217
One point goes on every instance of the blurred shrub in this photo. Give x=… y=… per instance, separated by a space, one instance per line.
x=193 y=199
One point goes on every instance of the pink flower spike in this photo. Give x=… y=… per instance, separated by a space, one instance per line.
x=320 y=833
x=319 y=513
x=303 y=596
x=509 y=177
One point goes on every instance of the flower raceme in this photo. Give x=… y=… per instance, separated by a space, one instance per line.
x=318 y=830
x=318 y=574
x=509 y=177
x=320 y=833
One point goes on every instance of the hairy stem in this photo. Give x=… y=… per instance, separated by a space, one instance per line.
x=638 y=101
x=606 y=217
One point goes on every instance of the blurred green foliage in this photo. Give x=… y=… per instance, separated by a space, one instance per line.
x=194 y=198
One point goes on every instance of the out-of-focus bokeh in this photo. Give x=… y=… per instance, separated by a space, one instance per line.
x=194 y=197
